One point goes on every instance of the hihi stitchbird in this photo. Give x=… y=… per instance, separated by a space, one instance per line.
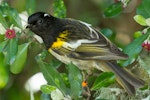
x=71 y=40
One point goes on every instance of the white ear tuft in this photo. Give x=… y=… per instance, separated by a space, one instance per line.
x=46 y=15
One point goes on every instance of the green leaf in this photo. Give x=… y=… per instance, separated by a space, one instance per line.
x=143 y=9
x=10 y=14
x=104 y=80
x=75 y=79
x=48 y=89
x=133 y=49
x=17 y=65
x=2 y=20
x=45 y=96
x=3 y=72
x=137 y=34
x=55 y=63
x=108 y=33
x=14 y=17
x=3 y=45
x=52 y=76
x=59 y=9
x=66 y=79
x=2 y=15
x=4 y=4
x=140 y=20
x=30 y=6
x=12 y=50
x=113 y=10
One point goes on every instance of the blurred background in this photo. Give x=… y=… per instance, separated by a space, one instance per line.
x=90 y=11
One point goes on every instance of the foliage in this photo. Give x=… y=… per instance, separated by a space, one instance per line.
x=133 y=49
x=51 y=74
x=113 y=10
x=59 y=9
x=14 y=53
x=30 y=7
x=104 y=80
x=142 y=9
x=65 y=84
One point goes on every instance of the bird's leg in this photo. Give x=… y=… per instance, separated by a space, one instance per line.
x=85 y=89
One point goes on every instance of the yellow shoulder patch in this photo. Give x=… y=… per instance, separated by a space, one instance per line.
x=58 y=43
x=60 y=39
x=64 y=34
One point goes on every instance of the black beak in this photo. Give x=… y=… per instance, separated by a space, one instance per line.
x=28 y=26
x=26 y=29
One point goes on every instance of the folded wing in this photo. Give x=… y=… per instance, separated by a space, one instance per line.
x=87 y=43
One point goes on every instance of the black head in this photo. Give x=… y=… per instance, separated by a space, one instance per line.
x=39 y=22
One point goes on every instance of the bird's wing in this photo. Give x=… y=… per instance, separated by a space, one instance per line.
x=85 y=42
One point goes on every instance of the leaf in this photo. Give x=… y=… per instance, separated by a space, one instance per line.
x=3 y=72
x=133 y=49
x=11 y=14
x=45 y=96
x=137 y=34
x=12 y=50
x=3 y=45
x=2 y=20
x=108 y=33
x=143 y=9
x=57 y=95
x=59 y=9
x=17 y=65
x=55 y=63
x=30 y=6
x=48 y=89
x=14 y=17
x=51 y=74
x=113 y=10
x=104 y=80
x=66 y=80
x=140 y=20
x=148 y=21
x=75 y=80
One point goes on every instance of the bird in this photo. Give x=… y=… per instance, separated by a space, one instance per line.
x=77 y=42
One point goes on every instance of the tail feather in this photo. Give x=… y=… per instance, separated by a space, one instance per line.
x=126 y=85
x=126 y=79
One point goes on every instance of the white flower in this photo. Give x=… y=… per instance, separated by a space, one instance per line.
x=57 y=95
x=24 y=18
x=2 y=29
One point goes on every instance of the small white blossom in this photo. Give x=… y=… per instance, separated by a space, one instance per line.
x=24 y=18
x=2 y=29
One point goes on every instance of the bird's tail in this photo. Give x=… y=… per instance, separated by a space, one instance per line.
x=126 y=79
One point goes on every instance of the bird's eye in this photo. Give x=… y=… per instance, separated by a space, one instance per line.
x=40 y=21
